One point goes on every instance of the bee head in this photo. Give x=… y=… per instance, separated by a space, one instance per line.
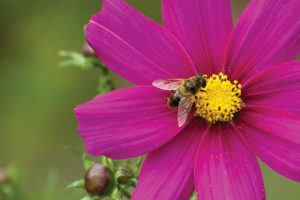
x=200 y=79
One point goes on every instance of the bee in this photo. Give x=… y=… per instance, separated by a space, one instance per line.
x=183 y=94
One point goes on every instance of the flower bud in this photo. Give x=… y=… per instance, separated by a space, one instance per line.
x=124 y=174
x=97 y=180
x=4 y=177
x=86 y=50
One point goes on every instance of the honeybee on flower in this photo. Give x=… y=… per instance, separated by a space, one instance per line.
x=249 y=107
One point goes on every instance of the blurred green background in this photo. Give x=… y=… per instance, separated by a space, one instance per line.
x=37 y=97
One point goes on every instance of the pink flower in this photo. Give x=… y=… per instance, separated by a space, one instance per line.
x=217 y=159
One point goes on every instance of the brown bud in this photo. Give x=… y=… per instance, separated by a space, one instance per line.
x=4 y=177
x=124 y=174
x=97 y=180
x=87 y=51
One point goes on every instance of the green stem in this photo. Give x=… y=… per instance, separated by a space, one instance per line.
x=125 y=193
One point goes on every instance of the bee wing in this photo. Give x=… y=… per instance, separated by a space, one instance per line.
x=167 y=84
x=184 y=109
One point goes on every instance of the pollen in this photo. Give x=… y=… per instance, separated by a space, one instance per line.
x=219 y=100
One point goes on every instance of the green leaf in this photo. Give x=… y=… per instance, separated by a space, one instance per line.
x=108 y=163
x=87 y=164
x=9 y=191
x=194 y=196
x=76 y=59
x=76 y=184
x=123 y=175
x=115 y=194
x=73 y=59
x=105 y=84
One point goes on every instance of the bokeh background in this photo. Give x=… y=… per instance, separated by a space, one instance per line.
x=37 y=97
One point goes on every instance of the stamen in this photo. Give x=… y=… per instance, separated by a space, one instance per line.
x=219 y=100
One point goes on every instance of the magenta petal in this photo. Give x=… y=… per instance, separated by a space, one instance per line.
x=226 y=169
x=203 y=27
x=134 y=46
x=167 y=173
x=277 y=86
x=127 y=122
x=267 y=33
x=274 y=136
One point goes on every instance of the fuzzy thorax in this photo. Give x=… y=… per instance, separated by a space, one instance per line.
x=219 y=100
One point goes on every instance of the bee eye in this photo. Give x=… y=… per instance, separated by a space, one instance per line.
x=203 y=83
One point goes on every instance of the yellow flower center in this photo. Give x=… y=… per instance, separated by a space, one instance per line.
x=219 y=100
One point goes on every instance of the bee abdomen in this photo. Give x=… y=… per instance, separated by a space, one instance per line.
x=175 y=99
